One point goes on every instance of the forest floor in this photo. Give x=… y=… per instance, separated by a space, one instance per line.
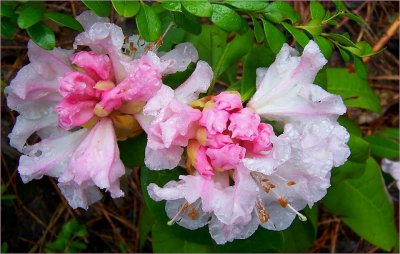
x=34 y=213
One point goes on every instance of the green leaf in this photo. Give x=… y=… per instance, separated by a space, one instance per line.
x=146 y=223
x=314 y=27
x=255 y=5
x=171 y=5
x=354 y=90
x=225 y=18
x=351 y=126
x=393 y=133
x=354 y=17
x=363 y=205
x=275 y=37
x=101 y=8
x=360 y=68
x=325 y=46
x=258 y=30
x=344 y=54
x=7 y=28
x=126 y=8
x=201 y=8
x=30 y=13
x=347 y=171
x=8 y=10
x=359 y=149
x=148 y=23
x=64 y=20
x=259 y=56
x=187 y=22
x=383 y=147
x=341 y=39
x=340 y=6
x=132 y=150
x=42 y=35
x=78 y=246
x=4 y=247
x=301 y=38
x=279 y=11
x=317 y=10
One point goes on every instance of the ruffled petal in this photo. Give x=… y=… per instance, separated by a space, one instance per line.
x=180 y=57
x=25 y=127
x=159 y=101
x=286 y=92
x=167 y=158
x=96 y=160
x=50 y=156
x=105 y=38
x=96 y=65
x=78 y=196
x=197 y=83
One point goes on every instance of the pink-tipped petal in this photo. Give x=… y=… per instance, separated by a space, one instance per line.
x=77 y=86
x=244 y=124
x=226 y=157
x=228 y=101
x=96 y=65
x=72 y=114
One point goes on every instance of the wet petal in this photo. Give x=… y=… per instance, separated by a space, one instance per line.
x=98 y=66
x=180 y=57
x=167 y=158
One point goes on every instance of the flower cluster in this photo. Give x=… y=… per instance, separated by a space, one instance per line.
x=247 y=166
x=241 y=175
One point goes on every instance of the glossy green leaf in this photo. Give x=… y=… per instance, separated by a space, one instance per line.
x=187 y=21
x=393 y=133
x=126 y=8
x=64 y=20
x=258 y=30
x=275 y=37
x=325 y=46
x=30 y=13
x=132 y=150
x=354 y=90
x=363 y=205
x=342 y=39
x=359 y=149
x=317 y=11
x=225 y=18
x=259 y=56
x=101 y=8
x=8 y=10
x=255 y=5
x=279 y=11
x=201 y=8
x=383 y=147
x=314 y=27
x=301 y=38
x=171 y=5
x=148 y=23
x=360 y=68
x=7 y=28
x=42 y=35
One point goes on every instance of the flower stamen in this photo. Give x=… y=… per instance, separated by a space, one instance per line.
x=183 y=208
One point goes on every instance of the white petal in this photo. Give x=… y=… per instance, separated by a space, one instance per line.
x=88 y=18
x=50 y=156
x=77 y=196
x=168 y=158
x=286 y=92
x=392 y=168
x=191 y=218
x=197 y=83
x=159 y=101
x=180 y=57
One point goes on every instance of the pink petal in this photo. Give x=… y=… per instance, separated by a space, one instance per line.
x=96 y=160
x=228 y=101
x=72 y=114
x=77 y=86
x=226 y=157
x=96 y=65
x=202 y=164
x=214 y=120
x=218 y=140
x=262 y=142
x=197 y=83
x=244 y=124
x=50 y=156
x=163 y=158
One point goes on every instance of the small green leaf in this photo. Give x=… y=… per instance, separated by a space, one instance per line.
x=78 y=246
x=354 y=17
x=279 y=11
x=363 y=204
x=275 y=37
x=351 y=126
x=360 y=68
x=258 y=30
x=259 y=56
x=30 y=14
x=255 y=5
x=132 y=150
x=354 y=90
x=187 y=22
x=4 y=247
x=383 y=147
x=201 y=8
x=342 y=39
x=225 y=18
x=393 y=133
x=340 y=6
x=8 y=10
x=42 y=35
x=146 y=223
x=325 y=46
x=126 y=8
x=314 y=27
x=301 y=38
x=343 y=53
x=64 y=20
x=359 y=149
x=7 y=28
x=148 y=23
x=171 y=5
x=101 y=8
x=317 y=10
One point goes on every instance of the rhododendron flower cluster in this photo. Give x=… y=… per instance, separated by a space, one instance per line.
x=80 y=103
x=242 y=175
